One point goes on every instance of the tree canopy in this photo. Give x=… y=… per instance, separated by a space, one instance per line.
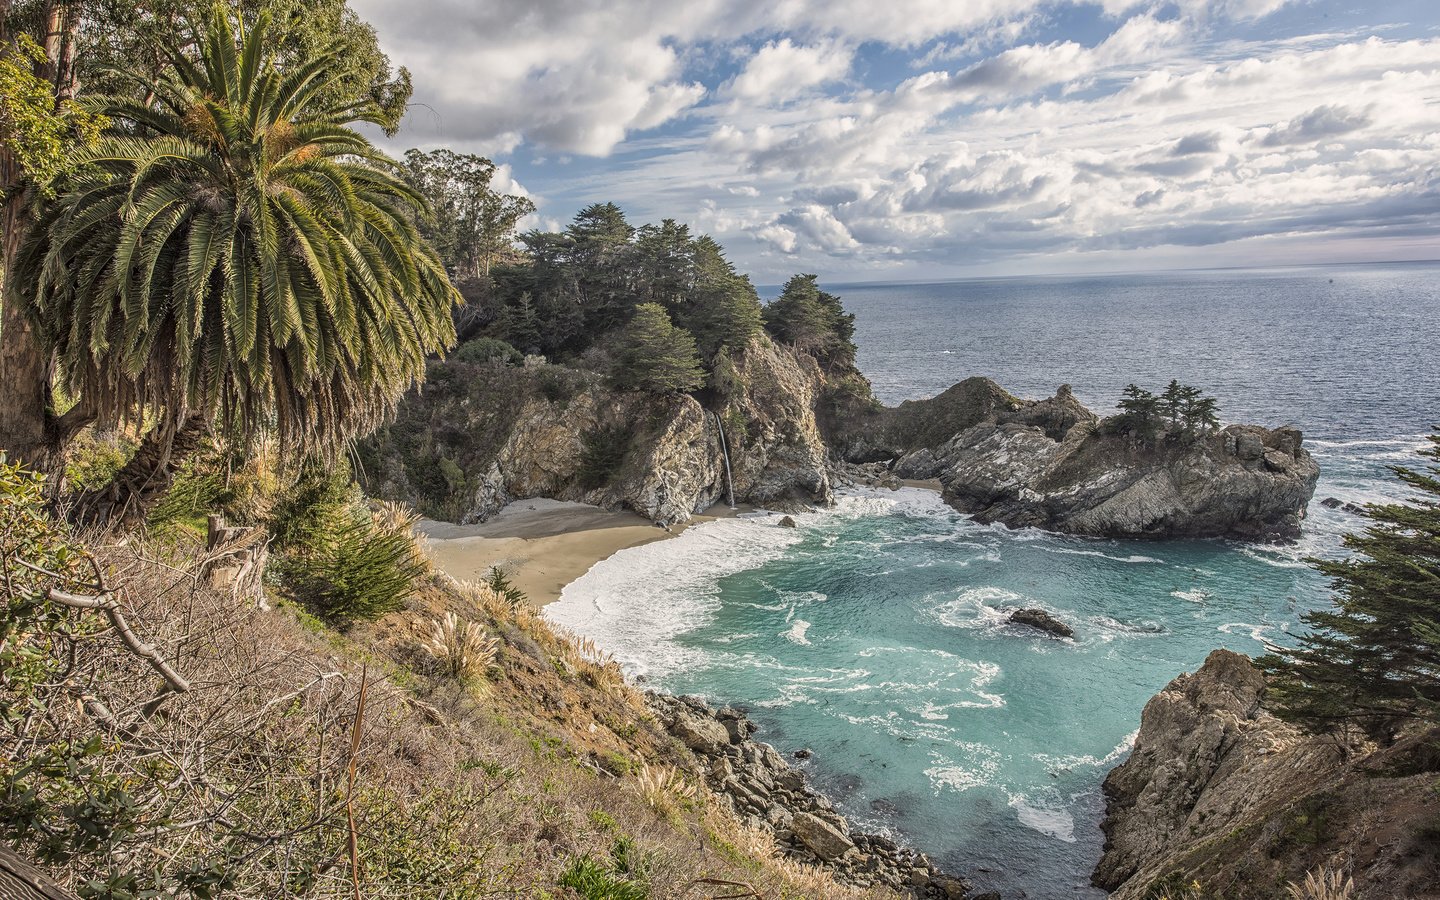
x=238 y=251
x=653 y=355
x=471 y=223
x=1373 y=661
x=814 y=321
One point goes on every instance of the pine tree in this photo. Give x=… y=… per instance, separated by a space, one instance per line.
x=1374 y=660
x=1206 y=413
x=1172 y=401
x=1140 y=410
x=655 y=356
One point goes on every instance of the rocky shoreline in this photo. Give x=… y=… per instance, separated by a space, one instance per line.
x=768 y=793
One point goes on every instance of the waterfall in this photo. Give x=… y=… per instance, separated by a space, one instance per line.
x=725 y=452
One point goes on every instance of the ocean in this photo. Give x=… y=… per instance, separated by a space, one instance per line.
x=874 y=634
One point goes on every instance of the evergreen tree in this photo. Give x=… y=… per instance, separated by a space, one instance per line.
x=1172 y=402
x=1140 y=411
x=814 y=321
x=1374 y=660
x=601 y=258
x=722 y=309
x=1204 y=414
x=655 y=356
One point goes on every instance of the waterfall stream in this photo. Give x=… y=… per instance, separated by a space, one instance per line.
x=725 y=452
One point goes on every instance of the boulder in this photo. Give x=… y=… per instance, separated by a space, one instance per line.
x=786 y=522
x=827 y=841
x=1043 y=621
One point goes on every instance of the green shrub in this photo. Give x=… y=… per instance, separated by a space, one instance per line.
x=595 y=880
x=298 y=518
x=93 y=462
x=499 y=582
x=338 y=558
x=602 y=452
x=354 y=568
x=487 y=350
x=198 y=490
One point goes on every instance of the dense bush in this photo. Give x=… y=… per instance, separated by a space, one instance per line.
x=486 y=350
x=346 y=562
x=602 y=454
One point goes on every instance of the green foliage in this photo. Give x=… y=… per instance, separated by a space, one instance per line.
x=54 y=794
x=125 y=44
x=1182 y=410
x=302 y=512
x=596 y=880
x=208 y=255
x=654 y=356
x=486 y=350
x=602 y=453
x=472 y=223
x=1373 y=661
x=31 y=626
x=43 y=140
x=499 y=582
x=92 y=464
x=198 y=490
x=1139 y=412
x=814 y=321
x=338 y=558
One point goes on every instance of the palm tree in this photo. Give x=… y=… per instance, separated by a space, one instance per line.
x=237 y=257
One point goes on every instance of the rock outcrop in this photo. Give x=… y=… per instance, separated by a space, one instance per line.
x=488 y=436
x=1053 y=464
x=1041 y=620
x=767 y=793
x=1220 y=792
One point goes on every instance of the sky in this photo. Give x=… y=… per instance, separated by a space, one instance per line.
x=873 y=140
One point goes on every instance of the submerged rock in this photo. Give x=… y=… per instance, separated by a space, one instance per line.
x=1042 y=620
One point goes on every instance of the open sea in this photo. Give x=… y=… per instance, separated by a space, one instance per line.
x=875 y=635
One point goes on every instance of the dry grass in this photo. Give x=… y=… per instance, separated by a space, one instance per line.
x=473 y=794
x=460 y=649
x=1322 y=884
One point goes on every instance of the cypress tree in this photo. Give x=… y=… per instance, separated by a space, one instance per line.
x=655 y=356
x=1374 y=660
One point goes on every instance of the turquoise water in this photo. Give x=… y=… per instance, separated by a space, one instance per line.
x=874 y=634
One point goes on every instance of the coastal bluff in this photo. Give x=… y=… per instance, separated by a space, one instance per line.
x=778 y=430
x=1055 y=465
x=1220 y=792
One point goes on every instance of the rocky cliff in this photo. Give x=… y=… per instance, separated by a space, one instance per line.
x=482 y=436
x=1053 y=464
x=1220 y=793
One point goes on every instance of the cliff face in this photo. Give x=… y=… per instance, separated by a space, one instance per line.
x=1220 y=792
x=1053 y=464
x=482 y=437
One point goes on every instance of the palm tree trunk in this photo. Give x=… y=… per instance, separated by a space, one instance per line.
x=148 y=474
x=28 y=430
x=24 y=368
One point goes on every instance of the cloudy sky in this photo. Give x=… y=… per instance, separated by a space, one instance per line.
x=890 y=139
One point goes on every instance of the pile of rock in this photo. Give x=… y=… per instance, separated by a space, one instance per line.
x=767 y=793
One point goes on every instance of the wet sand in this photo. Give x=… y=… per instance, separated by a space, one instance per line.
x=543 y=545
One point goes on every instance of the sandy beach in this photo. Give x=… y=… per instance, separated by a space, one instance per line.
x=543 y=545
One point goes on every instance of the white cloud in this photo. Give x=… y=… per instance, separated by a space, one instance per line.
x=782 y=69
